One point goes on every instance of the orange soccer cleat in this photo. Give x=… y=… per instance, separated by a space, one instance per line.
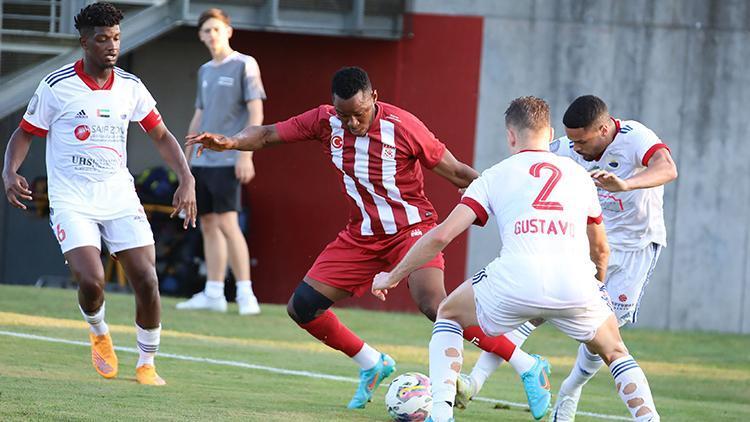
x=103 y=355
x=146 y=375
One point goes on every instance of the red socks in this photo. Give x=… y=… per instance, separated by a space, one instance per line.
x=328 y=329
x=500 y=346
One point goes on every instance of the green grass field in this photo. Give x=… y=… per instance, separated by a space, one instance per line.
x=694 y=376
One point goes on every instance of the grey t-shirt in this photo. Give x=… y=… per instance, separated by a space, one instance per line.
x=223 y=92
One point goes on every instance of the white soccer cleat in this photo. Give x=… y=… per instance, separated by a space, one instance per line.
x=200 y=301
x=565 y=408
x=248 y=305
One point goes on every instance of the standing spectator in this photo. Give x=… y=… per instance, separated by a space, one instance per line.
x=229 y=97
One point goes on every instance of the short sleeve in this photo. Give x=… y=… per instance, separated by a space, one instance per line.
x=303 y=127
x=252 y=86
x=42 y=110
x=427 y=148
x=144 y=111
x=646 y=143
x=476 y=197
x=594 y=213
x=199 y=90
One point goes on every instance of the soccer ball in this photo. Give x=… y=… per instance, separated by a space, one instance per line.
x=409 y=397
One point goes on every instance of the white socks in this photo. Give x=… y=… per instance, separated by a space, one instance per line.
x=244 y=288
x=633 y=389
x=214 y=289
x=489 y=362
x=586 y=366
x=148 y=344
x=96 y=321
x=367 y=357
x=446 y=358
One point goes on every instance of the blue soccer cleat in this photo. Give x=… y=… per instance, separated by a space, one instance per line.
x=537 y=386
x=370 y=379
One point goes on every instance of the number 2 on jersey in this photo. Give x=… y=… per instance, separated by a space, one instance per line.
x=541 y=203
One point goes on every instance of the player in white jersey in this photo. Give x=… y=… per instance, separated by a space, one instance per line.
x=83 y=109
x=550 y=225
x=630 y=166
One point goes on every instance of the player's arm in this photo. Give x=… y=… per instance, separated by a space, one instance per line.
x=598 y=248
x=661 y=170
x=195 y=124
x=458 y=173
x=425 y=249
x=170 y=151
x=244 y=169
x=252 y=138
x=16 y=186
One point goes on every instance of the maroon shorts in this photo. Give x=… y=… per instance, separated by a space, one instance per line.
x=350 y=263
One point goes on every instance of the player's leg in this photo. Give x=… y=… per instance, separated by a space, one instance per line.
x=86 y=266
x=239 y=262
x=214 y=245
x=80 y=242
x=140 y=268
x=630 y=381
x=446 y=348
x=309 y=308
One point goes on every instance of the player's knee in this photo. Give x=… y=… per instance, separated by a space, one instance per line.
x=306 y=304
x=445 y=310
x=90 y=280
x=429 y=307
x=617 y=351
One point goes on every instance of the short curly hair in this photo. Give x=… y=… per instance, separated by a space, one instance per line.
x=348 y=81
x=97 y=14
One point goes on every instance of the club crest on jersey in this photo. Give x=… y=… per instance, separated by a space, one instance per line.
x=337 y=142
x=389 y=152
x=82 y=132
x=613 y=163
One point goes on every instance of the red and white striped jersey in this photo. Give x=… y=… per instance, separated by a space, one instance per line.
x=379 y=171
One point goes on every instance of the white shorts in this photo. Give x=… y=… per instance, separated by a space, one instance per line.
x=628 y=274
x=73 y=229
x=497 y=315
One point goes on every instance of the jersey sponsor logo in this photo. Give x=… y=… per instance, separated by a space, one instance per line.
x=610 y=202
x=623 y=298
x=81 y=115
x=82 y=132
x=225 y=81
x=337 y=142
x=416 y=233
x=393 y=117
x=102 y=112
x=542 y=226
x=33 y=102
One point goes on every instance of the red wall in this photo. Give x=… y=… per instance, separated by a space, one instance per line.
x=296 y=206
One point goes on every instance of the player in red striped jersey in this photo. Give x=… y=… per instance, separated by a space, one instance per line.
x=378 y=149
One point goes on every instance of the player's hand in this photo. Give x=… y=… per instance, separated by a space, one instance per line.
x=211 y=141
x=381 y=283
x=16 y=188
x=184 y=202
x=244 y=169
x=609 y=181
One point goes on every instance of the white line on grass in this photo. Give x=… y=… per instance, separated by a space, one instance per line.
x=272 y=369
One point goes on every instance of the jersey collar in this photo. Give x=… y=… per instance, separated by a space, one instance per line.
x=89 y=81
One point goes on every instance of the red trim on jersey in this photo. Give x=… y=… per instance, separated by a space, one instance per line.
x=594 y=220
x=151 y=121
x=532 y=150
x=478 y=210
x=647 y=156
x=89 y=81
x=29 y=128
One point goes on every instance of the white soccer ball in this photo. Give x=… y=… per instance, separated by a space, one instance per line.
x=409 y=397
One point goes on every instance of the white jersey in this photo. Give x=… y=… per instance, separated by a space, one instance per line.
x=633 y=219
x=542 y=203
x=86 y=128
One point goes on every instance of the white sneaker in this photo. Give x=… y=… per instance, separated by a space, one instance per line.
x=201 y=301
x=248 y=305
x=565 y=408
